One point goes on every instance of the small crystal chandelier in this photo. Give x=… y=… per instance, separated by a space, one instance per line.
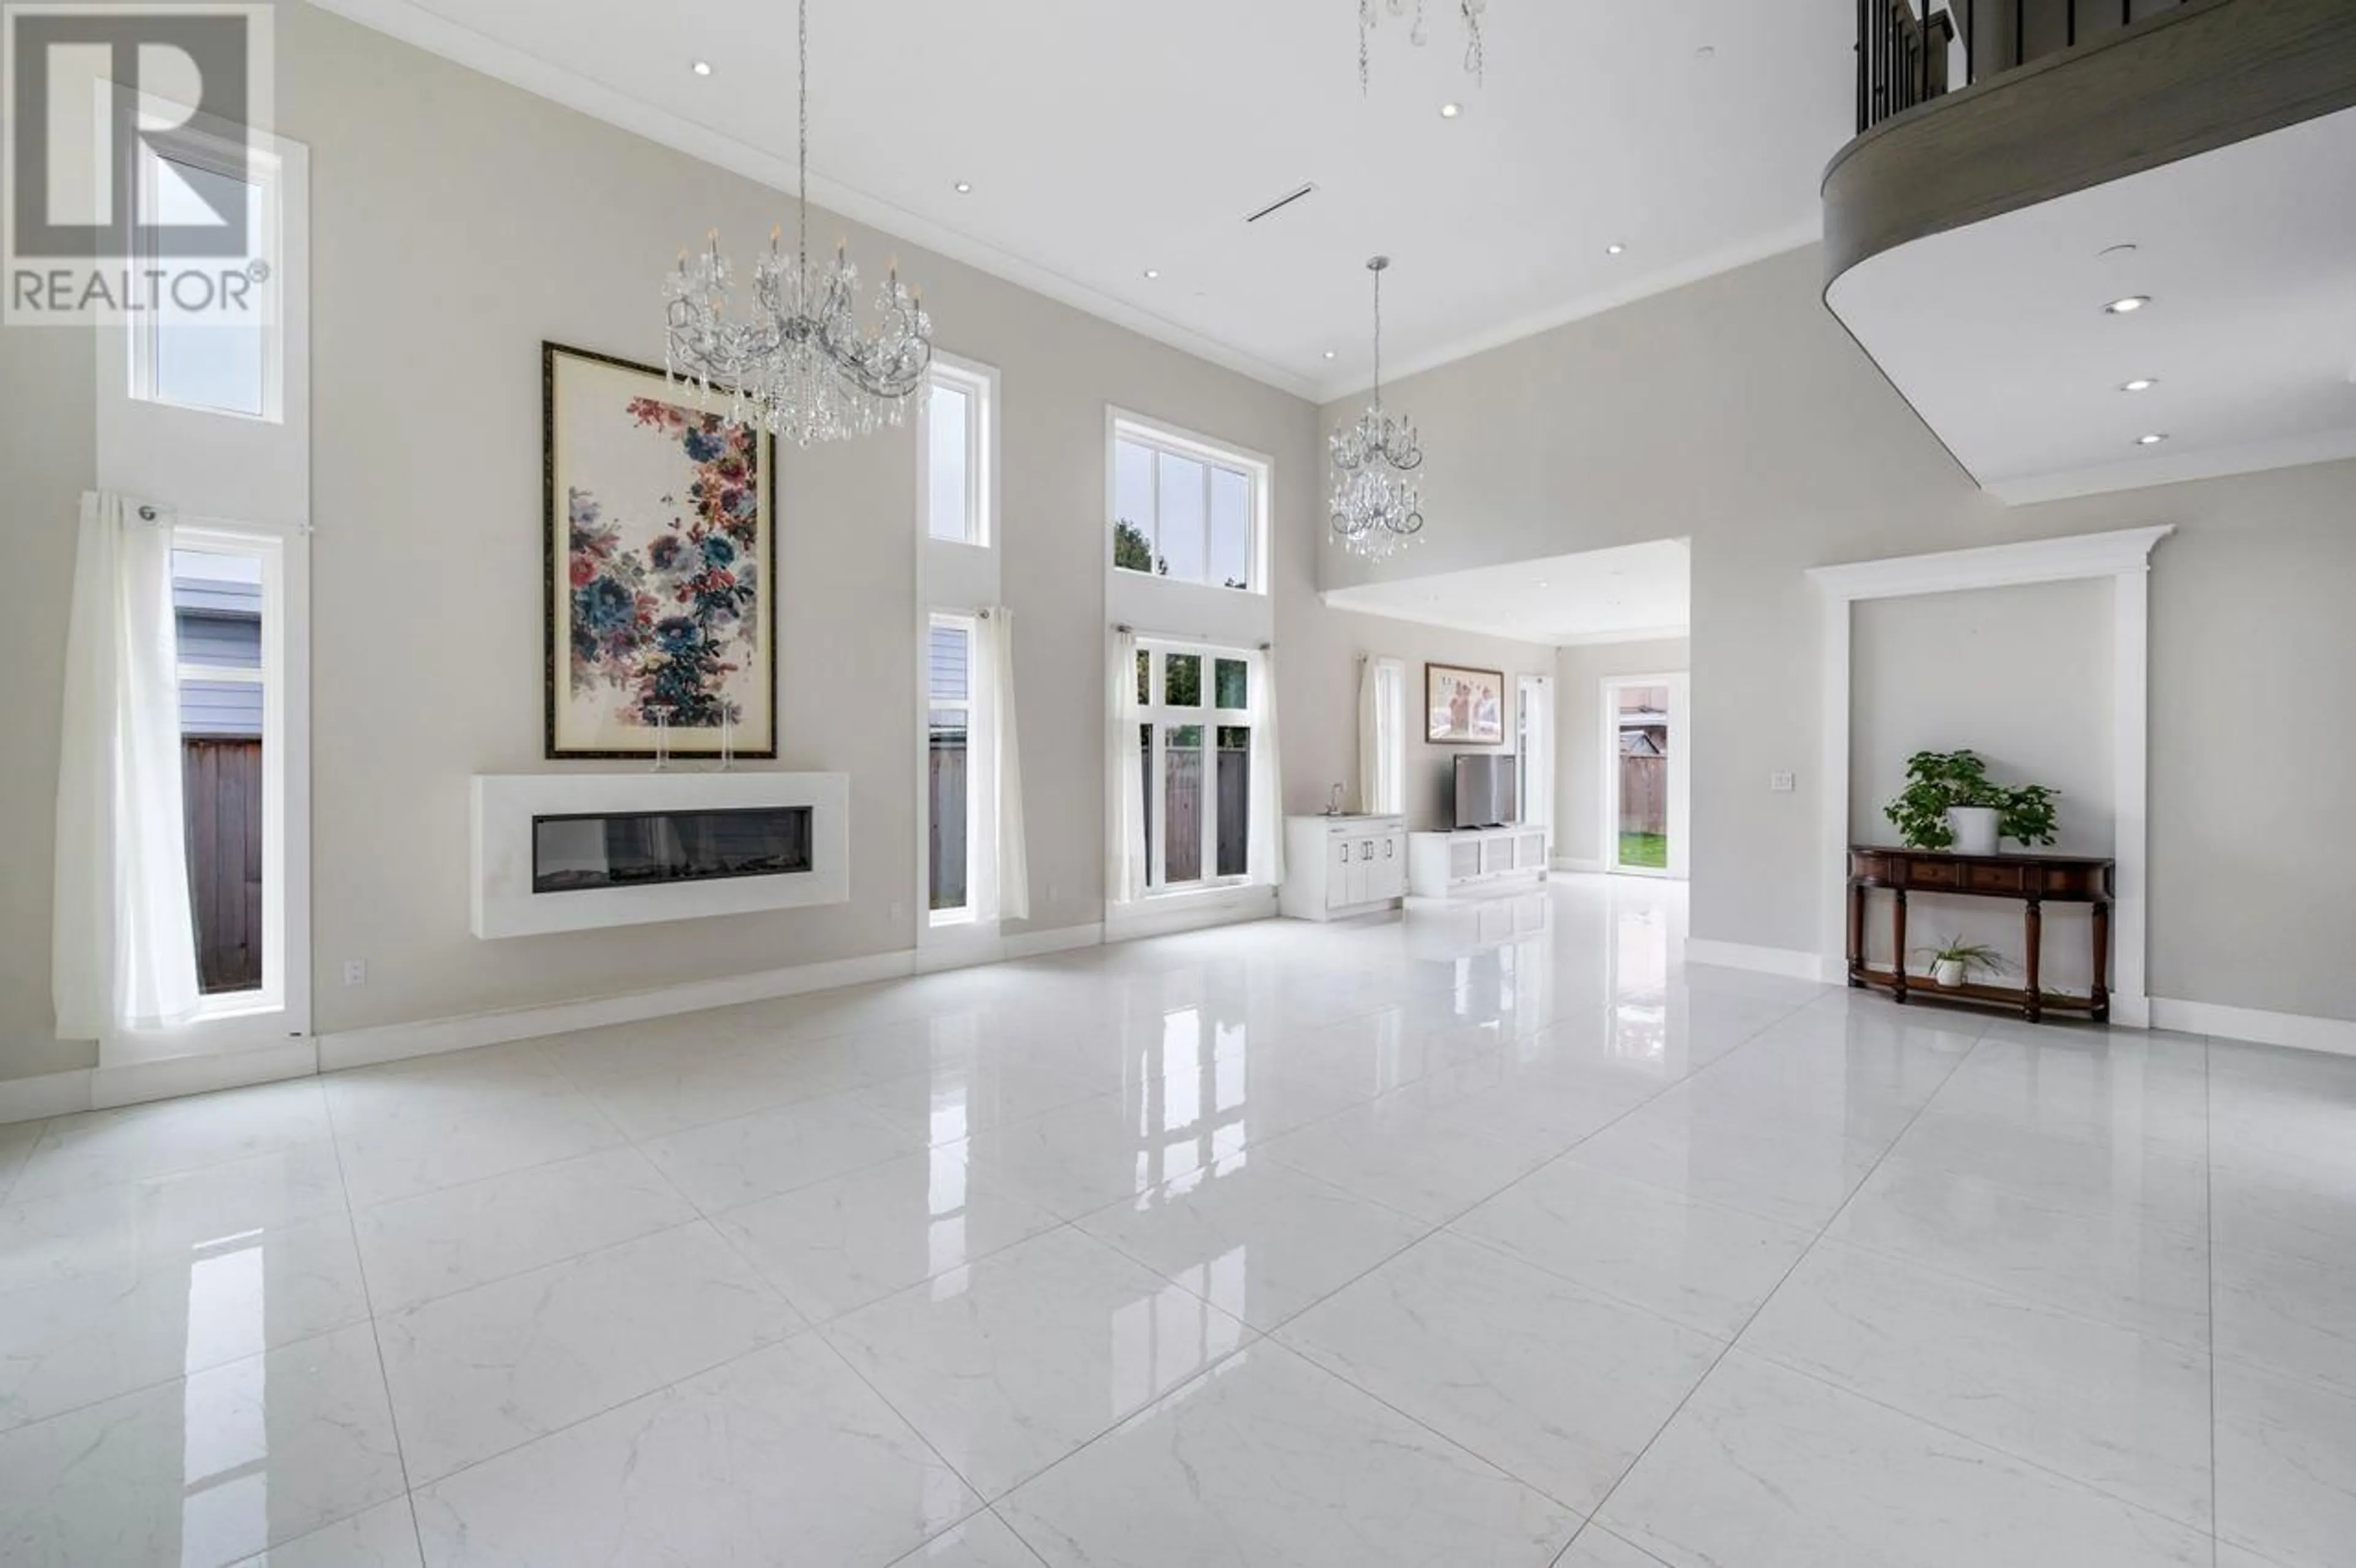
x=1369 y=12
x=801 y=367
x=1377 y=512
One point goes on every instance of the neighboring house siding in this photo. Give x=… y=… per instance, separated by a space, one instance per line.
x=219 y=627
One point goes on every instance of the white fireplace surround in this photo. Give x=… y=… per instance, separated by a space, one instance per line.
x=506 y=804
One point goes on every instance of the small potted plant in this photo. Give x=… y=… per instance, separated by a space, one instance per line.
x=1950 y=802
x=1955 y=962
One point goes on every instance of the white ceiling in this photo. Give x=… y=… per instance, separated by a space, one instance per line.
x=1105 y=138
x=1625 y=594
x=1996 y=332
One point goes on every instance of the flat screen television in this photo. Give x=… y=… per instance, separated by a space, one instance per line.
x=1485 y=791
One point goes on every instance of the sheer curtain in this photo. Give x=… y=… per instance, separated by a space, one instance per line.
x=1267 y=861
x=1125 y=856
x=1007 y=895
x=124 y=951
x=1382 y=717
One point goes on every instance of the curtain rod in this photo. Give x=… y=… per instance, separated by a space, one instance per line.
x=1126 y=630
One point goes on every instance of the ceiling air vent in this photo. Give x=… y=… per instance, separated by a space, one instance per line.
x=1281 y=202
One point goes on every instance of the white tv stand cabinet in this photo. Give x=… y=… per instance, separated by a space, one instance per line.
x=1442 y=865
x=1335 y=867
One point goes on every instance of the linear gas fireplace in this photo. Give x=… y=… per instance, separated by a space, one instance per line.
x=638 y=849
x=572 y=851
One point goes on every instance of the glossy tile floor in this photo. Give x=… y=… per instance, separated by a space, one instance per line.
x=1494 y=1237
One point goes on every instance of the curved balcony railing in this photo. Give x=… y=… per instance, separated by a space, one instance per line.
x=1906 y=56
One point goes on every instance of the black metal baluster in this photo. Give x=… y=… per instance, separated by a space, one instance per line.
x=2019 y=35
x=1971 y=41
x=1864 y=11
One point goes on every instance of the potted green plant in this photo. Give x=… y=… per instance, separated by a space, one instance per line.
x=1950 y=802
x=1955 y=962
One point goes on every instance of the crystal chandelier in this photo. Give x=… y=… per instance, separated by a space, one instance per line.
x=800 y=366
x=1377 y=512
x=1369 y=12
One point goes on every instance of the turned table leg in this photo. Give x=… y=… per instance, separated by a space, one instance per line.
x=2102 y=960
x=1856 y=936
x=1897 y=944
x=2033 y=1006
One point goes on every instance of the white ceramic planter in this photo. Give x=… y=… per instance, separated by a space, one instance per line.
x=1973 y=827
x=1948 y=972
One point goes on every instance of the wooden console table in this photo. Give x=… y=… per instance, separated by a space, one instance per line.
x=2034 y=880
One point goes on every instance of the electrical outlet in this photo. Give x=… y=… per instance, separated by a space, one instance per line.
x=355 y=971
x=1781 y=784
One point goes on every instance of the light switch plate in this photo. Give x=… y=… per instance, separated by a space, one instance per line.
x=1782 y=783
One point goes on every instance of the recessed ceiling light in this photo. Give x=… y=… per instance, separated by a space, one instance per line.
x=2140 y=384
x=703 y=68
x=1451 y=111
x=1546 y=584
x=2128 y=305
x=1329 y=354
x=963 y=187
x=2152 y=439
x=1707 y=51
x=1152 y=272
x=1614 y=248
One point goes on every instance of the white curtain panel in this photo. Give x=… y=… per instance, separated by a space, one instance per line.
x=123 y=952
x=1267 y=781
x=1008 y=896
x=1370 y=737
x=1125 y=856
x=1390 y=736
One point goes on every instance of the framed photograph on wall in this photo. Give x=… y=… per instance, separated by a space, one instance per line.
x=661 y=553
x=1464 y=707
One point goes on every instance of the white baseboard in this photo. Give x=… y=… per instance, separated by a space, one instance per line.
x=961 y=951
x=1790 y=962
x=1187 y=911
x=45 y=1095
x=2335 y=1036
x=398 y=1042
x=172 y=1077
x=1063 y=939
x=1566 y=863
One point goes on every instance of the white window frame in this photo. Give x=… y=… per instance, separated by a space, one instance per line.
x=978 y=773
x=979 y=382
x=1159 y=716
x=264 y=169
x=281 y=1008
x=1680 y=832
x=1256 y=468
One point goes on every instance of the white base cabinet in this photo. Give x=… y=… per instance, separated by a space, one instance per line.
x=1442 y=864
x=1340 y=866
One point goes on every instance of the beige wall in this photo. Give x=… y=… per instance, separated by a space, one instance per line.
x=1579 y=751
x=456 y=223
x=1983 y=670
x=1318 y=659
x=1736 y=412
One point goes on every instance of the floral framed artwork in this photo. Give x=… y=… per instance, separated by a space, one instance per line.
x=1464 y=707
x=661 y=550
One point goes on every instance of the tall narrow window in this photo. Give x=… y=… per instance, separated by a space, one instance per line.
x=1186 y=510
x=1195 y=745
x=211 y=340
x=951 y=783
x=957 y=444
x=217 y=609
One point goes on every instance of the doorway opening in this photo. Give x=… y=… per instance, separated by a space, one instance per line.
x=1644 y=775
